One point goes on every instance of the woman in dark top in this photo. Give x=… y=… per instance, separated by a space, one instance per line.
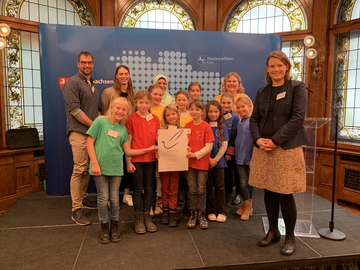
x=277 y=129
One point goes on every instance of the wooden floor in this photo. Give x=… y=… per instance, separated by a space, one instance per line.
x=352 y=208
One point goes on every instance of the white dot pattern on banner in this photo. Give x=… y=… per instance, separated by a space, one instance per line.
x=172 y=64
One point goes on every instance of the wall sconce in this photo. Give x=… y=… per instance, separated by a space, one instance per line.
x=314 y=53
x=4 y=32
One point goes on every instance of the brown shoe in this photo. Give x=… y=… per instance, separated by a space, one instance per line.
x=289 y=246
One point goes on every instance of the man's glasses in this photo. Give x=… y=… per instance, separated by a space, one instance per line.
x=86 y=63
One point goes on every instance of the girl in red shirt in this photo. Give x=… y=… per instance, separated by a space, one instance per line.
x=142 y=127
x=200 y=142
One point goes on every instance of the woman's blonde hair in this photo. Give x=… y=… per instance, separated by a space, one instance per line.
x=116 y=101
x=283 y=58
x=241 y=88
x=173 y=108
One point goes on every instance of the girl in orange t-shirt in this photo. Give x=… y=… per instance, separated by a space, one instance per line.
x=200 y=142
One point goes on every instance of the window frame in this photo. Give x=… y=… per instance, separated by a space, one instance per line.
x=336 y=29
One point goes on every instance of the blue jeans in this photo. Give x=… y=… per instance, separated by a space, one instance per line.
x=107 y=188
x=144 y=179
x=247 y=191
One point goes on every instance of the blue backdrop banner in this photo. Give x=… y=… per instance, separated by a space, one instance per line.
x=183 y=56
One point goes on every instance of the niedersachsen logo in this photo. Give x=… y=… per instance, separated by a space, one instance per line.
x=102 y=81
x=202 y=59
x=62 y=80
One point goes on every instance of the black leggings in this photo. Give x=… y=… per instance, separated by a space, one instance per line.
x=273 y=201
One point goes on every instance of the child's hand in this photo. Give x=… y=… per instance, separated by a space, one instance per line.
x=152 y=148
x=130 y=167
x=212 y=163
x=190 y=155
x=157 y=154
x=96 y=169
x=227 y=157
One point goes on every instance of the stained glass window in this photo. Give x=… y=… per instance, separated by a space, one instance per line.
x=346 y=74
x=268 y=16
x=21 y=60
x=158 y=15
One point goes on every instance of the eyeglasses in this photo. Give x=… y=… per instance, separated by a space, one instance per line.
x=86 y=63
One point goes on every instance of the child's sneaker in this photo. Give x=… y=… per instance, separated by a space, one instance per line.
x=151 y=213
x=203 y=223
x=221 y=218
x=128 y=200
x=212 y=217
x=191 y=224
x=158 y=208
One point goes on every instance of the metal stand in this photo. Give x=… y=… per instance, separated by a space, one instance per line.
x=330 y=233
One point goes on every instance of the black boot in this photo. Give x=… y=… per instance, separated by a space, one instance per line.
x=165 y=217
x=104 y=237
x=114 y=231
x=173 y=222
x=289 y=246
x=270 y=238
x=228 y=199
x=150 y=226
x=181 y=205
x=139 y=223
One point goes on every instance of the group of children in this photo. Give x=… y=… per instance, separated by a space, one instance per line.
x=219 y=143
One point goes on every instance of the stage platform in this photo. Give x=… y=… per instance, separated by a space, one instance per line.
x=37 y=233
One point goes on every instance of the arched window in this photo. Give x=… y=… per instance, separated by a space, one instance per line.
x=21 y=60
x=158 y=15
x=268 y=16
x=346 y=78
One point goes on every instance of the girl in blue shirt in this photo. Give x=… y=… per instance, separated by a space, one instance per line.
x=216 y=203
x=243 y=154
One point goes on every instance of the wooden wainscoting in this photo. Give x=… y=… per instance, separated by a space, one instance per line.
x=21 y=173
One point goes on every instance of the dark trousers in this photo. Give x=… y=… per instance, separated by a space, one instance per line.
x=215 y=192
x=231 y=177
x=143 y=178
x=183 y=188
x=126 y=181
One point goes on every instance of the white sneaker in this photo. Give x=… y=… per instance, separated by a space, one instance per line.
x=128 y=200
x=221 y=218
x=212 y=217
x=151 y=213
x=158 y=209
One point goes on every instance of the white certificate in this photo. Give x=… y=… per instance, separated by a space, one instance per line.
x=173 y=145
